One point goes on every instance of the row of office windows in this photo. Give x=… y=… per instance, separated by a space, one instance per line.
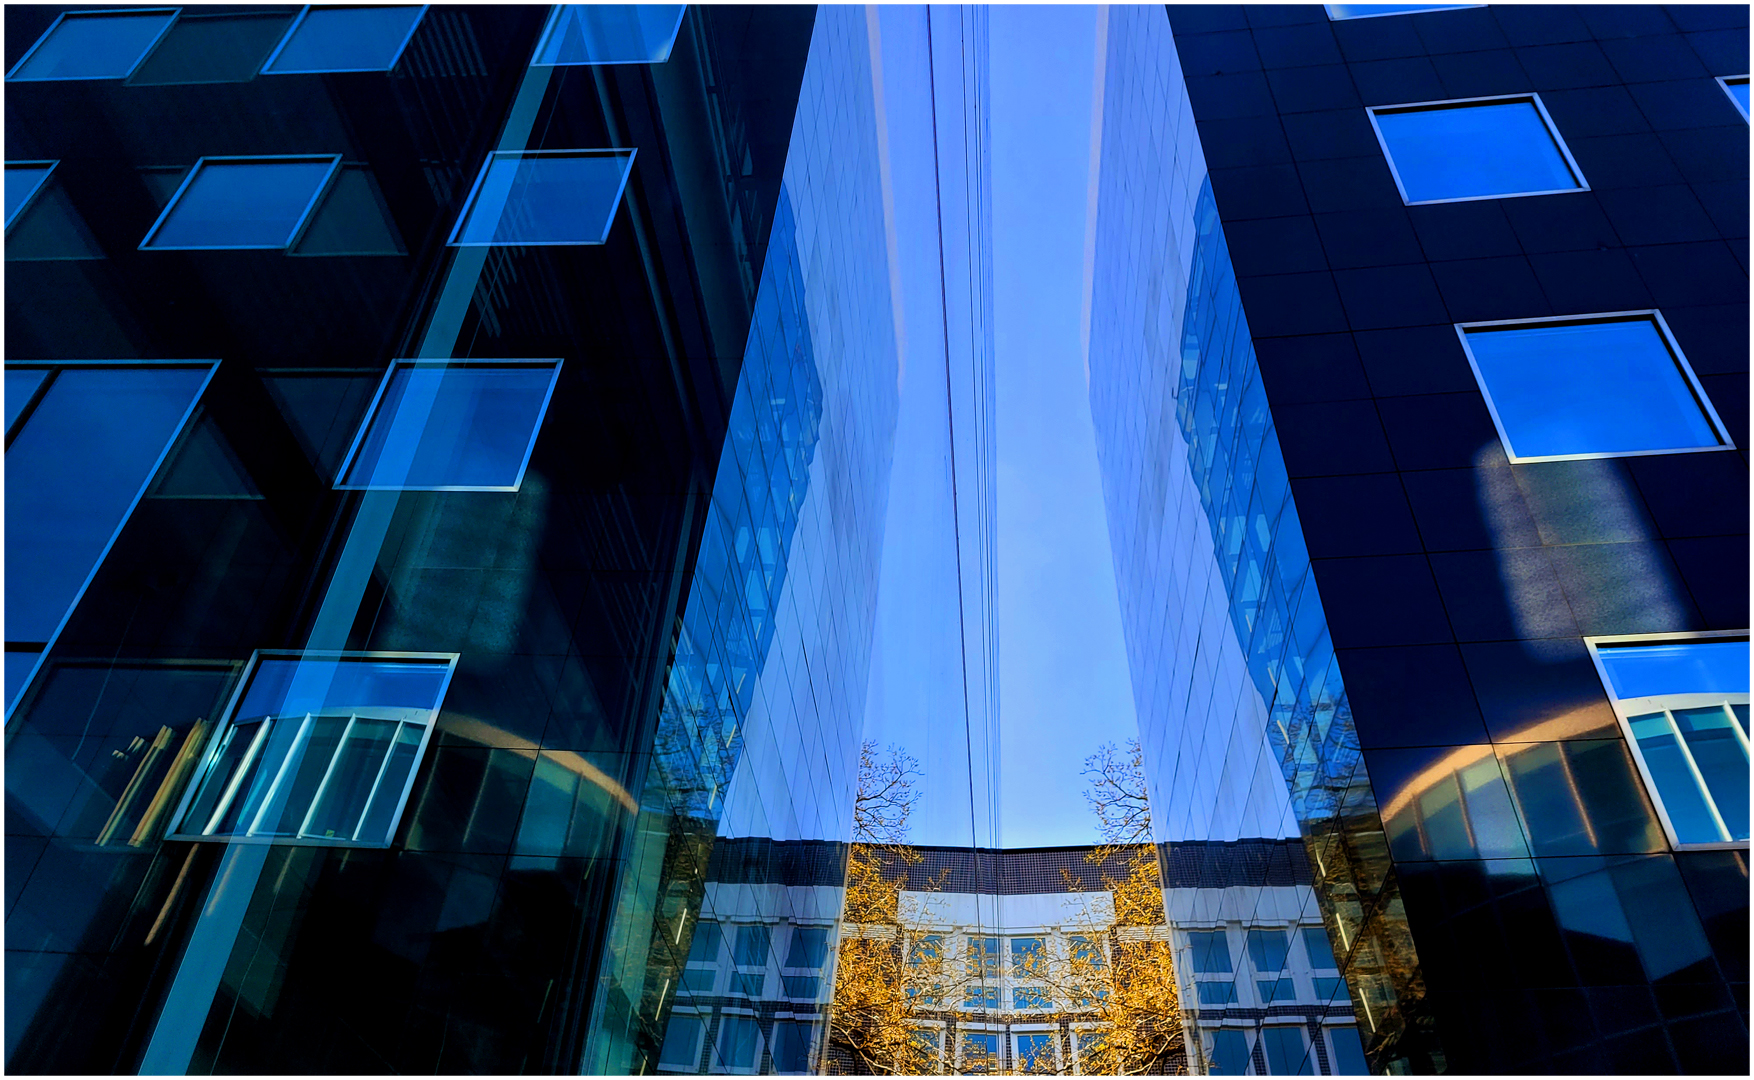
x=734 y=959
x=1001 y=971
x=170 y=45
x=1282 y=1050
x=1271 y=962
x=737 y=1045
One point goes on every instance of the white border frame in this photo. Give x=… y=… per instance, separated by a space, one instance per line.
x=481 y=176
x=554 y=17
x=298 y=227
x=1424 y=10
x=1724 y=83
x=1593 y=644
x=1001 y=1042
x=1667 y=337
x=1451 y=103
x=174 y=12
x=173 y=830
x=34 y=192
x=298 y=21
x=371 y=414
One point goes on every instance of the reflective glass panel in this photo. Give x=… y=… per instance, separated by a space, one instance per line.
x=791 y=1046
x=94 y=45
x=21 y=383
x=453 y=427
x=983 y=957
x=1030 y=997
x=1722 y=761
x=1477 y=150
x=1679 y=786
x=1211 y=950
x=1277 y=990
x=1215 y=993
x=980 y=1052
x=1329 y=989
x=681 y=1041
x=981 y=997
x=1035 y=1052
x=610 y=34
x=241 y=204
x=739 y=1041
x=704 y=947
x=752 y=945
x=1267 y=949
x=1315 y=943
x=345 y=39
x=1287 y=1054
x=1348 y=1052
x=809 y=947
x=1580 y=797
x=22 y=182
x=1365 y=11
x=1588 y=388
x=1230 y=1052
x=561 y=197
x=1026 y=955
x=1692 y=667
x=1738 y=91
x=74 y=469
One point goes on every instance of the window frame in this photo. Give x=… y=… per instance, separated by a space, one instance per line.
x=371 y=414
x=1667 y=337
x=704 y=1018
x=469 y=201
x=36 y=192
x=1623 y=715
x=174 y=12
x=216 y=741
x=1431 y=9
x=298 y=21
x=554 y=16
x=718 y=1062
x=1016 y=1032
x=1724 y=83
x=298 y=229
x=1001 y=1043
x=1372 y=111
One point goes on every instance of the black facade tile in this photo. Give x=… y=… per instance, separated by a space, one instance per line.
x=1381 y=297
x=1255 y=140
x=1571 y=66
x=1714 y=1044
x=1656 y=215
x=1683 y=274
x=1229 y=97
x=1502 y=595
x=1587 y=501
x=1706 y=16
x=1481 y=74
x=1338 y=133
x=1313 y=89
x=1715 y=569
x=1608 y=21
x=1377 y=39
x=1654 y=59
x=1348 y=184
x=1694 y=494
x=1358 y=238
x=1549 y=689
x=1223 y=52
x=1206 y=18
x=1688 y=103
x=1260 y=15
x=1355 y=515
x=1415 y=360
x=1583 y=282
x=1729 y=396
x=1332 y=439
x=1440 y=431
x=1718 y=884
x=1414 y=695
x=1291 y=304
x=1595 y=110
x=1723 y=52
x=1464 y=230
x=1303 y=45
x=1464 y=30
x=1542 y=24
x=1479 y=290
x=1714 y=339
x=1617 y=161
x=1269 y=192
x=1310 y=368
x=1286 y=245
x=1726 y=203
x=1384 y=600
x=1624 y=589
x=1398 y=81
x=1572 y=222
x=1469 y=509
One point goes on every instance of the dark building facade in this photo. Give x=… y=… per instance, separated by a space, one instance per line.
x=1419 y=368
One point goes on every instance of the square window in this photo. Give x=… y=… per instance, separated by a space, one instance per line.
x=703 y=948
x=1215 y=993
x=1347 y=1057
x=979 y=1052
x=1035 y=1052
x=1590 y=386
x=1267 y=950
x=1338 y=12
x=94 y=45
x=1211 y=950
x=1028 y=956
x=318 y=748
x=682 y=1041
x=809 y=948
x=442 y=426
x=328 y=39
x=544 y=197
x=23 y=180
x=1683 y=705
x=983 y=957
x=1229 y=1053
x=1737 y=87
x=791 y=1046
x=752 y=944
x=609 y=34
x=1478 y=148
x=247 y=203
x=1287 y=1051
x=1316 y=945
x=739 y=1042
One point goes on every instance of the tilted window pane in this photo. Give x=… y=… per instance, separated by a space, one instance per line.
x=791 y=1046
x=212 y=49
x=345 y=39
x=610 y=34
x=1348 y=1052
x=1679 y=786
x=545 y=197
x=447 y=427
x=1365 y=11
x=1737 y=88
x=1287 y=1054
x=1315 y=943
x=241 y=204
x=1476 y=150
x=1722 y=762
x=1267 y=950
x=75 y=467
x=809 y=947
x=94 y=45
x=1230 y=1053
x=22 y=182
x=739 y=1042
x=1693 y=667
x=752 y=945
x=1588 y=388
x=1211 y=950
x=21 y=383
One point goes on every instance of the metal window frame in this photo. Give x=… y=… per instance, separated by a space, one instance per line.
x=267 y=67
x=372 y=412
x=1427 y=10
x=174 y=829
x=55 y=367
x=173 y=12
x=1621 y=714
x=994 y=1028
x=1015 y=1032
x=1577 y=175
x=298 y=228
x=1724 y=83
x=1667 y=337
x=553 y=23
x=481 y=176
x=35 y=192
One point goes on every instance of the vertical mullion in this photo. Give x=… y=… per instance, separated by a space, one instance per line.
x=389 y=752
x=298 y=740
x=1736 y=725
x=1723 y=830
x=231 y=788
x=317 y=797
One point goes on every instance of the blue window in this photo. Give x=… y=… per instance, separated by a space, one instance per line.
x=451 y=426
x=79 y=459
x=1211 y=950
x=1287 y=1053
x=1215 y=993
x=1684 y=705
x=344 y=39
x=1229 y=1055
x=1030 y=997
x=1338 y=12
x=1267 y=950
x=1321 y=953
x=319 y=748
x=541 y=197
x=753 y=942
x=242 y=203
x=609 y=34
x=739 y=1042
x=23 y=180
x=981 y=997
x=983 y=957
x=1276 y=989
x=1348 y=1056
x=1328 y=988
x=94 y=45
x=1737 y=87
x=791 y=1046
x=1590 y=386
x=809 y=948
x=980 y=1052
x=703 y=948
x=1035 y=1052
x=1028 y=956
x=1483 y=148
x=682 y=1041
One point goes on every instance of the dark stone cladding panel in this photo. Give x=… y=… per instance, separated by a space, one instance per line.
x=758 y=860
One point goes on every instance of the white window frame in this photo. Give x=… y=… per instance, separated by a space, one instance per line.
x=941 y=1029
x=717 y=1064
x=818 y=973
x=1250 y=1030
x=268 y=64
x=705 y=1017
x=1625 y=709
x=1663 y=332
x=469 y=203
x=298 y=228
x=1328 y=1030
x=1373 y=111
x=151 y=47
x=1387 y=14
x=1724 y=82
x=999 y=1040
x=1018 y=1031
x=733 y=986
x=1295 y=1023
x=713 y=966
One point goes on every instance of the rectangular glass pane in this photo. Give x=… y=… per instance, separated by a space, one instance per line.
x=285 y=806
x=380 y=816
x=241 y=204
x=739 y=1039
x=22 y=182
x=610 y=34
x=982 y=997
x=983 y=957
x=1287 y=1054
x=1321 y=952
x=1718 y=754
x=1692 y=667
x=681 y=1042
x=346 y=39
x=704 y=947
x=452 y=427
x=315 y=684
x=1267 y=949
x=980 y=1052
x=1230 y=1053
x=1211 y=950
x=94 y=45
x=752 y=984
x=801 y=987
x=791 y=1046
x=1669 y=767
x=1348 y=1052
x=1272 y=990
x=1215 y=993
x=545 y=197
x=1329 y=989
x=1026 y=955
x=752 y=945
x=809 y=947
x=1477 y=150
x=1738 y=91
x=230 y=759
x=259 y=776
x=1588 y=388
x=1035 y=1052
x=339 y=808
